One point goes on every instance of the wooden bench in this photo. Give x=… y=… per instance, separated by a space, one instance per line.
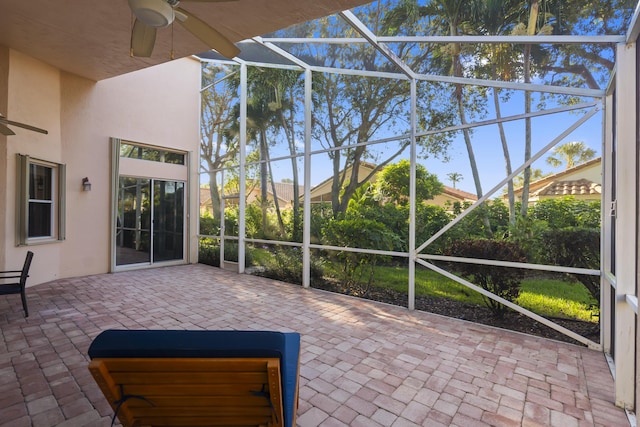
x=198 y=378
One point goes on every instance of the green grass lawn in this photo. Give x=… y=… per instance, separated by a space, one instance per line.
x=546 y=297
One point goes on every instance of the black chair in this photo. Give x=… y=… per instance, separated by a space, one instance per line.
x=8 y=285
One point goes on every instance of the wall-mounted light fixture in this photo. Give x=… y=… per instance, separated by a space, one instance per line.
x=86 y=185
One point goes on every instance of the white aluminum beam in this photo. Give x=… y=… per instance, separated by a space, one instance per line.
x=242 y=202
x=541 y=39
x=283 y=53
x=306 y=203
x=530 y=87
x=497 y=263
x=634 y=26
x=413 y=160
x=512 y=118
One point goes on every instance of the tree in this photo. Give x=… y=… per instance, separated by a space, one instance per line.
x=535 y=175
x=393 y=183
x=271 y=107
x=351 y=110
x=570 y=153
x=454 y=177
x=218 y=145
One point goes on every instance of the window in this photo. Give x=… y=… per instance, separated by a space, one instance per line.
x=40 y=206
x=149 y=153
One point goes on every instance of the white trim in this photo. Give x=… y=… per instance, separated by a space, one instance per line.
x=626 y=250
x=632 y=300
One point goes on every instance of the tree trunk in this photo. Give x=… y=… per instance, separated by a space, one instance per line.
x=531 y=30
x=264 y=176
x=215 y=195
x=457 y=72
x=507 y=157
x=296 y=233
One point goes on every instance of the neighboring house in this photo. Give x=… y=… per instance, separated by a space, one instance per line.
x=451 y=195
x=322 y=192
x=284 y=193
x=206 y=206
x=584 y=182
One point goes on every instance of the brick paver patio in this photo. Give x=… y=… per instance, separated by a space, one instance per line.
x=362 y=364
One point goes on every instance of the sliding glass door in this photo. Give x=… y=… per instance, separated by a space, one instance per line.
x=150 y=221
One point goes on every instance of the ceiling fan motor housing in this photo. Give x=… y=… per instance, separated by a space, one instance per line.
x=154 y=13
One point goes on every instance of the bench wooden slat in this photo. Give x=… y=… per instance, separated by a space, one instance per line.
x=201 y=377
x=186 y=364
x=197 y=401
x=192 y=391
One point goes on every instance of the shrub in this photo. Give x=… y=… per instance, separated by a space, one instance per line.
x=574 y=247
x=357 y=269
x=501 y=281
x=567 y=212
x=527 y=232
x=209 y=252
x=209 y=226
x=285 y=265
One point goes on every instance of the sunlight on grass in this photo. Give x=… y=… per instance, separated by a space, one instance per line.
x=543 y=296
x=554 y=298
x=557 y=298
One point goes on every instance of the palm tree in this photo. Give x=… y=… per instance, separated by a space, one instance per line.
x=571 y=153
x=495 y=17
x=455 y=13
x=454 y=177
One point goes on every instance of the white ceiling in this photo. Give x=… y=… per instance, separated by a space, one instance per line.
x=91 y=37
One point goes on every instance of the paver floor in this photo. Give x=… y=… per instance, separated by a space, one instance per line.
x=362 y=363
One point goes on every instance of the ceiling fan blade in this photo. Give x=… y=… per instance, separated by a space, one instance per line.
x=208 y=35
x=4 y=121
x=5 y=130
x=143 y=37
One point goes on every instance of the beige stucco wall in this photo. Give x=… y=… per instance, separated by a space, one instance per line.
x=33 y=97
x=158 y=106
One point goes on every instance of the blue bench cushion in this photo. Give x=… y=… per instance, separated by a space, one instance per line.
x=208 y=344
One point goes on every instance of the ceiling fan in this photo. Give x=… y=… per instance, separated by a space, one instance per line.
x=7 y=132
x=153 y=14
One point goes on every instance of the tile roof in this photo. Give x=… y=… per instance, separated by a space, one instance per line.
x=579 y=187
x=285 y=190
x=464 y=195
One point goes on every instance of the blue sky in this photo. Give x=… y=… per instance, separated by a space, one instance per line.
x=487 y=149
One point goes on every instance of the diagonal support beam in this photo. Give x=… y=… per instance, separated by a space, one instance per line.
x=357 y=25
x=482 y=199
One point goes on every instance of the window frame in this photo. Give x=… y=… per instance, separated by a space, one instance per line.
x=24 y=200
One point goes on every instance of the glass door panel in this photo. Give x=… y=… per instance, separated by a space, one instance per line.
x=168 y=220
x=133 y=225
